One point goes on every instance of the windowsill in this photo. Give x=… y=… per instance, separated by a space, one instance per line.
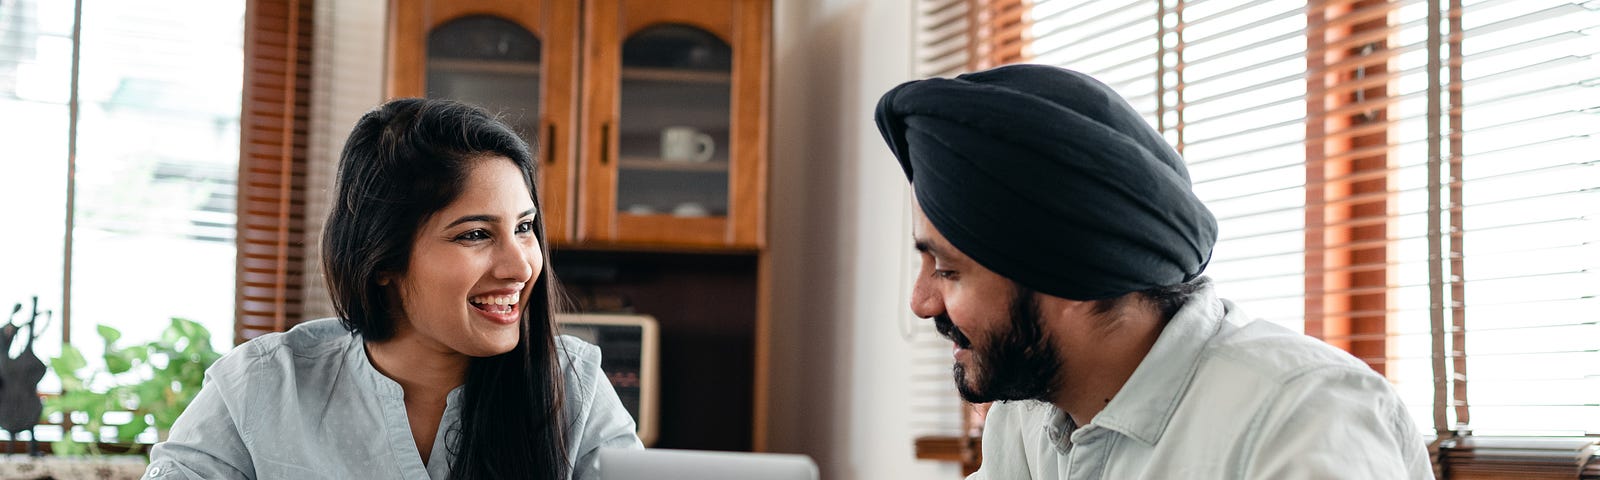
x=72 y=468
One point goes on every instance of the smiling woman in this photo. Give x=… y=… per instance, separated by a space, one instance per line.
x=435 y=257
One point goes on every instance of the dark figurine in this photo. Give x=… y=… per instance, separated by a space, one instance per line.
x=19 y=381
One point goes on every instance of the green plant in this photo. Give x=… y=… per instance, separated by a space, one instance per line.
x=155 y=381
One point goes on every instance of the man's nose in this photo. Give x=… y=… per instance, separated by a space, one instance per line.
x=925 y=299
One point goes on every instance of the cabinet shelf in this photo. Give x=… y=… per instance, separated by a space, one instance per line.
x=460 y=65
x=662 y=165
x=675 y=75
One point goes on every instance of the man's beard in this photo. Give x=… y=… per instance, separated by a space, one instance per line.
x=1018 y=363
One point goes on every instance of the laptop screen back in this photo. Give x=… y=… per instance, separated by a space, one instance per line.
x=659 y=464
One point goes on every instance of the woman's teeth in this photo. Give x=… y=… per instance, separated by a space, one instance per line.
x=496 y=303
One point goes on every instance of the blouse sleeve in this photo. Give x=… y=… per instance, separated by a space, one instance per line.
x=204 y=442
x=602 y=421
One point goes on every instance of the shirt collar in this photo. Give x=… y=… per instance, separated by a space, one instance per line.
x=376 y=381
x=1145 y=404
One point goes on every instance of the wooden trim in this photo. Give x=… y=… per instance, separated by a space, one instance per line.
x=558 y=181
x=602 y=59
x=72 y=177
x=762 y=410
x=750 y=212
x=669 y=229
x=275 y=115
x=751 y=109
x=952 y=449
x=1458 y=283
x=407 y=50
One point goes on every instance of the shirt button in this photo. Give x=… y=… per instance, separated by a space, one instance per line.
x=155 y=471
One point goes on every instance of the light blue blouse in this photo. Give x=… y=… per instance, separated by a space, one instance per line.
x=308 y=404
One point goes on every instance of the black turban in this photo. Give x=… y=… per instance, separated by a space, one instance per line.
x=1048 y=177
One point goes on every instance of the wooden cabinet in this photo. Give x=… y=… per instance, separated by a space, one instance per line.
x=694 y=69
x=650 y=119
x=517 y=58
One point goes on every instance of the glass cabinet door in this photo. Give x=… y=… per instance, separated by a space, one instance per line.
x=490 y=62
x=518 y=60
x=673 y=128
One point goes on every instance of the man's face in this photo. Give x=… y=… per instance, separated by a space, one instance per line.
x=1001 y=350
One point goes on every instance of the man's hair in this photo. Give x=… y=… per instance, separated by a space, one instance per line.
x=1167 y=299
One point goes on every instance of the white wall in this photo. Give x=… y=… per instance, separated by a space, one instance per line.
x=347 y=81
x=840 y=235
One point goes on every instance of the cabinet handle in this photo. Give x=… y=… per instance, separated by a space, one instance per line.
x=605 y=143
x=550 y=144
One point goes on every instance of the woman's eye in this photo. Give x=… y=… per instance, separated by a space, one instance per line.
x=525 y=227
x=473 y=236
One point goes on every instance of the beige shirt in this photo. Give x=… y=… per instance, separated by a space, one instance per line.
x=1217 y=400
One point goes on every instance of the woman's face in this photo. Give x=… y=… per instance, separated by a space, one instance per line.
x=473 y=266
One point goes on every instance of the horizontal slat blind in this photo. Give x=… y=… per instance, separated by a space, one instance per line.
x=1427 y=216
x=1236 y=109
x=1529 y=183
x=272 y=166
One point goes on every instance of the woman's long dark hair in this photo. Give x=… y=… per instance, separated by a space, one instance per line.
x=405 y=161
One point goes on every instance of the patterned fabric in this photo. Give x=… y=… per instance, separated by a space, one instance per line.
x=120 y=467
x=308 y=404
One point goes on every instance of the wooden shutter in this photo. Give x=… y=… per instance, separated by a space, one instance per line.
x=272 y=166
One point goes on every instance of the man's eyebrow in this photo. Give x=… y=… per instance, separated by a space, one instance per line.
x=928 y=247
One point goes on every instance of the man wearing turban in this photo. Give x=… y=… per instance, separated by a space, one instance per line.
x=1062 y=249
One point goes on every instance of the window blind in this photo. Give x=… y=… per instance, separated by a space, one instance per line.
x=1524 y=120
x=1413 y=181
x=1309 y=128
x=272 y=166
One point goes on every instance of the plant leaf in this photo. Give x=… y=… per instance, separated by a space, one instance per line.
x=118 y=363
x=110 y=334
x=67 y=365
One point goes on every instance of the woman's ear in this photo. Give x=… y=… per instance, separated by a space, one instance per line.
x=383 y=279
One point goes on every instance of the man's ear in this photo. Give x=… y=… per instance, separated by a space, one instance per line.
x=1061 y=306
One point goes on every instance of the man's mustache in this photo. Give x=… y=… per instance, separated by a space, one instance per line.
x=948 y=329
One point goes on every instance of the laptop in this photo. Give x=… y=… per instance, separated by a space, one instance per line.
x=661 y=464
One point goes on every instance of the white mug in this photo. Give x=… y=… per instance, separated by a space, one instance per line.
x=685 y=144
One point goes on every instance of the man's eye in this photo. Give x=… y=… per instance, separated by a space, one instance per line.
x=945 y=274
